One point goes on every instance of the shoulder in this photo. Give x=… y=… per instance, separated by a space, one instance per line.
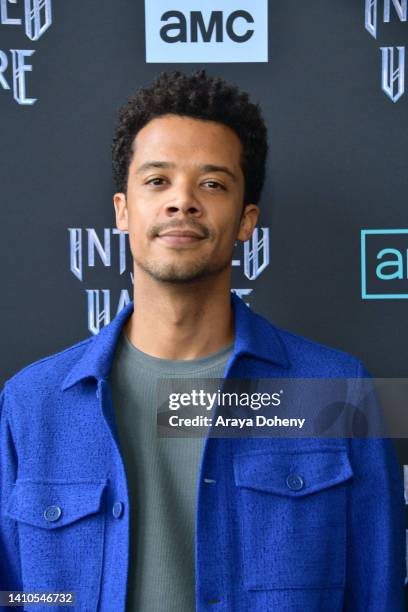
x=310 y=358
x=48 y=371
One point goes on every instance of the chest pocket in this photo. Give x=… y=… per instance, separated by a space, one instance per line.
x=292 y=508
x=61 y=533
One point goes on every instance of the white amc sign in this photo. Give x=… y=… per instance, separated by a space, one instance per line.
x=187 y=31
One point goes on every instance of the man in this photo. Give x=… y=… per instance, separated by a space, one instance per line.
x=94 y=502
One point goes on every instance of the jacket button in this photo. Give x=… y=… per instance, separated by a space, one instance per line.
x=295 y=482
x=52 y=513
x=117 y=509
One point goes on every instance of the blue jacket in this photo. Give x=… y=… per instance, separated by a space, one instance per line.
x=337 y=544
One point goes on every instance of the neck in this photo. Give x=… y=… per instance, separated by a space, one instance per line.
x=181 y=321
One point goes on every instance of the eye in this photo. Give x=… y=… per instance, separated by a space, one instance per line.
x=156 y=181
x=214 y=185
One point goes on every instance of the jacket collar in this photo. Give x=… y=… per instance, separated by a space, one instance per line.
x=254 y=336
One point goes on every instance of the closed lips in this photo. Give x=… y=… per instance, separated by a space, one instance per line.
x=182 y=233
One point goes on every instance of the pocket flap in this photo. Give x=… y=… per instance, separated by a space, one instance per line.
x=292 y=473
x=54 y=503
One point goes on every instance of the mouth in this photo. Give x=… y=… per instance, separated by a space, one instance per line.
x=180 y=237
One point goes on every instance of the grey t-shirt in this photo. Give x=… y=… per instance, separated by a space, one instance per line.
x=162 y=478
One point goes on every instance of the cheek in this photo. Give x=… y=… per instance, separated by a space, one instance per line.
x=138 y=218
x=228 y=236
x=230 y=225
x=137 y=231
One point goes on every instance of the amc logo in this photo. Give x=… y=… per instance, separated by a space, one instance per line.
x=224 y=31
x=384 y=264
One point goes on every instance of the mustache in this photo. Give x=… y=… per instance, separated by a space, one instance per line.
x=157 y=228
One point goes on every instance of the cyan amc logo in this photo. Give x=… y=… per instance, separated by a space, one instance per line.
x=384 y=264
x=187 y=31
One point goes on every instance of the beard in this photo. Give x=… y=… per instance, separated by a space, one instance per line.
x=182 y=272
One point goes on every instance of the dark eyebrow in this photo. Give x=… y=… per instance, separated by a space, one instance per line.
x=215 y=168
x=154 y=164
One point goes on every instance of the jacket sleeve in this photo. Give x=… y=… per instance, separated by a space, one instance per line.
x=376 y=520
x=10 y=574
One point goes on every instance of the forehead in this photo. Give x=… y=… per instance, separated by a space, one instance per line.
x=173 y=137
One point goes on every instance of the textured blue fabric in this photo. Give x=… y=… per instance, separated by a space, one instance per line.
x=335 y=545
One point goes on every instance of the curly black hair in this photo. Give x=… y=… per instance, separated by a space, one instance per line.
x=200 y=96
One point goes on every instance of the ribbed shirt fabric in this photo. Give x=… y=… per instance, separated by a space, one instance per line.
x=162 y=478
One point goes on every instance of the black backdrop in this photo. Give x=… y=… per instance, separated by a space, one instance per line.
x=338 y=155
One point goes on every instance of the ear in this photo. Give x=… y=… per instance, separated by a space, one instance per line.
x=249 y=219
x=121 y=211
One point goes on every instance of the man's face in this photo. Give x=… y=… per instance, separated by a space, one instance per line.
x=185 y=177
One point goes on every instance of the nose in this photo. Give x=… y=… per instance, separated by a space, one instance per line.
x=183 y=201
